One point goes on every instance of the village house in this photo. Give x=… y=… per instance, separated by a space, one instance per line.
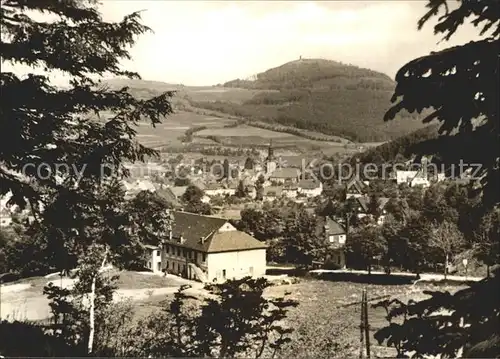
x=355 y=188
x=364 y=208
x=168 y=195
x=405 y=176
x=310 y=188
x=220 y=189
x=272 y=192
x=208 y=249
x=290 y=190
x=335 y=236
x=282 y=175
x=177 y=192
x=420 y=180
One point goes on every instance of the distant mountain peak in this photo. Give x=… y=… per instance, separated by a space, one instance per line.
x=311 y=73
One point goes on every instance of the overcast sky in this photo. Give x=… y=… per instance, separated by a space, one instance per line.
x=209 y=42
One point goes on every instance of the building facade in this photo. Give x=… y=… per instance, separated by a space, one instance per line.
x=209 y=249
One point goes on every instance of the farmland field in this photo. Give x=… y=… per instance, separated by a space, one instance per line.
x=248 y=136
x=326 y=322
x=175 y=125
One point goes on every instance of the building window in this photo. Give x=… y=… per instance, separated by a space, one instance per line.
x=178 y=252
x=203 y=257
x=168 y=249
x=331 y=238
x=184 y=253
x=158 y=253
x=190 y=254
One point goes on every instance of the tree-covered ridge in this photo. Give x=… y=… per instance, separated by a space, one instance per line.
x=316 y=73
x=321 y=95
x=402 y=148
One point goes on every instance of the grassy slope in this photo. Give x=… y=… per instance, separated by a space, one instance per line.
x=187 y=116
x=321 y=95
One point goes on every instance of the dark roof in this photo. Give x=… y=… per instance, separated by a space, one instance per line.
x=193 y=227
x=213 y=186
x=169 y=196
x=273 y=190
x=309 y=184
x=233 y=241
x=329 y=226
x=198 y=183
x=356 y=183
x=286 y=173
x=334 y=227
x=295 y=161
x=365 y=201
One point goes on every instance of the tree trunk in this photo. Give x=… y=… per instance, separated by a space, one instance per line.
x=487 y=270
x=90 y=346
x=446 y=265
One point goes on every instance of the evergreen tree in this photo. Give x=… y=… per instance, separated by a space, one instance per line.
x=469 y=73
x=63 y=149
x=249 y=163
x=241 y=191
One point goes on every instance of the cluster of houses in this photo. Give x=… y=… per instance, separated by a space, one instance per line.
x=211 y=250
x=281 y=179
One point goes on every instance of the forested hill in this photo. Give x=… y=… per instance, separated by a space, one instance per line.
x=321 y=95
x=400 y=149
x=316 y=74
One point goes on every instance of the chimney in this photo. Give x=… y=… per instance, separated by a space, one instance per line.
x=202 y=239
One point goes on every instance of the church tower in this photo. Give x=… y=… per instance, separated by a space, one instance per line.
x=270 y=159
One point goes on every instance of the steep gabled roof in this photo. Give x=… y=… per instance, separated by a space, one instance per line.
x=329 y=225
x=233 y=241
x=195 y=227
x=284 y=173
x=309 y=184
x=364 y=202
x=273 y=190
x=356 y=184
x=169 y=196
x=178 y=191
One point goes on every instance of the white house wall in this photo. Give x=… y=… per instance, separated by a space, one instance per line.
x=237 y=264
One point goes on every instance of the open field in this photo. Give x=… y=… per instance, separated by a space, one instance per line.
x=216 y=93
x=247 y=136
x=24 y=299
x=326 y=322
x=174 y=126
x=328 y=314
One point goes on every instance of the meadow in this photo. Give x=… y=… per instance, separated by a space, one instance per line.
x=248 y=136
x=174 y=127
x=326 y=321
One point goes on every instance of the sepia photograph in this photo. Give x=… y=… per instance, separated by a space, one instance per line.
x=250 y=179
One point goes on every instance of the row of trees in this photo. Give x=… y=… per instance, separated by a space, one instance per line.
x=422 y=228
x=291 y=232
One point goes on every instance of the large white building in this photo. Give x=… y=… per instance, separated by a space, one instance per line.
x=208 y=249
